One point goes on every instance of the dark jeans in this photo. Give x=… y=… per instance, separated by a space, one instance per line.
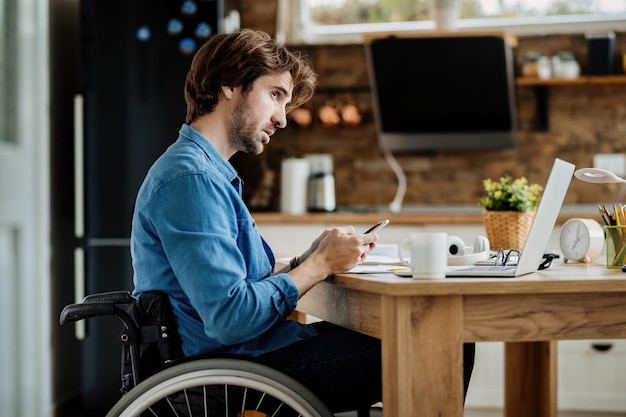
x=342 y=367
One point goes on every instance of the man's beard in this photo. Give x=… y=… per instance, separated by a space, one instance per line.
x=242 y=133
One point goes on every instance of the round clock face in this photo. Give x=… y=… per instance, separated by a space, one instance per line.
x=581 y=240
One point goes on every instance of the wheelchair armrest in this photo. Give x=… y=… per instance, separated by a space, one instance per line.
x=116 y=297
x=75 y=312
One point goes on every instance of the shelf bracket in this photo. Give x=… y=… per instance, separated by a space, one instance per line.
x=541 y=107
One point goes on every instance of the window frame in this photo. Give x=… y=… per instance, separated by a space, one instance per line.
x=9 y=59
x=293 y=26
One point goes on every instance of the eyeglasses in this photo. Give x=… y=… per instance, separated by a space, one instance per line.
x=547 y=261
x=506 y=257
x=511 y=257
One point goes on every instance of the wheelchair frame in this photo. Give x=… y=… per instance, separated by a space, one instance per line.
x=185 y=386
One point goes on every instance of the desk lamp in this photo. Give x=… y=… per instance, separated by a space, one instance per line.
x=598 y=176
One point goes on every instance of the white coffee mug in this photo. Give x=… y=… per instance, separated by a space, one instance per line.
x=429 y=254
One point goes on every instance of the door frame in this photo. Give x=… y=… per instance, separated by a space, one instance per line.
x=25 y=390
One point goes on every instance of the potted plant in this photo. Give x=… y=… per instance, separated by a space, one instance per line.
x=510 y=207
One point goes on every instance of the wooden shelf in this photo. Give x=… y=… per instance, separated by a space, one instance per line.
x=542 y=86
x=584 y=80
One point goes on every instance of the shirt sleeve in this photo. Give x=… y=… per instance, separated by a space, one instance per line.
x=217 y=255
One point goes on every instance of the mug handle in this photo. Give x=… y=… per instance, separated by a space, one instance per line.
x=401 y=246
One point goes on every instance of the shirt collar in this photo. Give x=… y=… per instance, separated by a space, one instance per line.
x=221 y=164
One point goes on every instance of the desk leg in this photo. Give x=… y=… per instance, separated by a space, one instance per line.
x=530 y=379
x=422 y=354
x=298 y=316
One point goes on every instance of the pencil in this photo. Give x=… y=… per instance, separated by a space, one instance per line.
x=602 y=216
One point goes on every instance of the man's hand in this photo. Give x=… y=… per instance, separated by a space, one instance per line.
x=334 y=251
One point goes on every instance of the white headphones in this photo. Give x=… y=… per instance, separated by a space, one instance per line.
x=459 y=254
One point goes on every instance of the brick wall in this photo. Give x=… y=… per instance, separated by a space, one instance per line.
x=583 y=121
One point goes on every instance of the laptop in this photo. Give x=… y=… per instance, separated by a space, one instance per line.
x=539 y=234
x=540 y=230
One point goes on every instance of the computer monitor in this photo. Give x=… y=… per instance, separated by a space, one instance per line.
x=443 y=93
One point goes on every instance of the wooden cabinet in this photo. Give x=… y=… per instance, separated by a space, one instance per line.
x=290 y=239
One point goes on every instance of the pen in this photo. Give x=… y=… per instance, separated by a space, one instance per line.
x=604 y=219
x=609 y=217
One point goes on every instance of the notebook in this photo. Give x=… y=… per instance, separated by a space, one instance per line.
x=538 y=236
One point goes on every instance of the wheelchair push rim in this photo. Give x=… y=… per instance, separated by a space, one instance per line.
x=219 y=372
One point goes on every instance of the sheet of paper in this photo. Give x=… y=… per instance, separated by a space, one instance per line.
x=374 y=269
x=383 y=254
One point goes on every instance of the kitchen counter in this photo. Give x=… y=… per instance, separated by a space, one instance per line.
x=413 y=215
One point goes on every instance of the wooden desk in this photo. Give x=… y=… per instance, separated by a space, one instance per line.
x=422 y=325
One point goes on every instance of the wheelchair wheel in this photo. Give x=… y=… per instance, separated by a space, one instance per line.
x=220 y=387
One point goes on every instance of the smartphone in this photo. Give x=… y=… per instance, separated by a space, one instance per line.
x=377 y=226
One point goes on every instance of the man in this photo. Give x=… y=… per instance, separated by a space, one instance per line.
x=194 y=238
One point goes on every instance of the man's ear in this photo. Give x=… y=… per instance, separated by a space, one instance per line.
x=228 y=91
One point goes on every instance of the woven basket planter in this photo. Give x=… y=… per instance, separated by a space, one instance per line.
x=507 y=229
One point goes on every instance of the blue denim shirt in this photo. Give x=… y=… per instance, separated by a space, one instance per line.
x=194 y=238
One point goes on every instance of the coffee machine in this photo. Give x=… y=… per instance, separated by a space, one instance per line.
x=321 y=183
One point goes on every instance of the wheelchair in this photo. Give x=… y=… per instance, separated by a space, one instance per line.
x=157 y=381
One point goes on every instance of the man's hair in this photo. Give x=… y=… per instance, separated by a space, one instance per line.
x=238 y=59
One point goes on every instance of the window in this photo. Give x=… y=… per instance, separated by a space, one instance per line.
x=333 y=21
x=8 y=71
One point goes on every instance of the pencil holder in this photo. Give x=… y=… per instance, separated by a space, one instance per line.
x=615 y=246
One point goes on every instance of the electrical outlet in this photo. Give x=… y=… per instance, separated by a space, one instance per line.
x=614 y=162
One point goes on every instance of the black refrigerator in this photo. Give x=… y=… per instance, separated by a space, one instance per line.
x=133 y=58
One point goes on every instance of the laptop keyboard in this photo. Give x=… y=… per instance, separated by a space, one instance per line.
x=489 y=268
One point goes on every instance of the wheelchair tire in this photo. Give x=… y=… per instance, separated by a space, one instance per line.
x=219 y=387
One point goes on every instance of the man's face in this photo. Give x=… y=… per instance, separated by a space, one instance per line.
x=259 y=112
